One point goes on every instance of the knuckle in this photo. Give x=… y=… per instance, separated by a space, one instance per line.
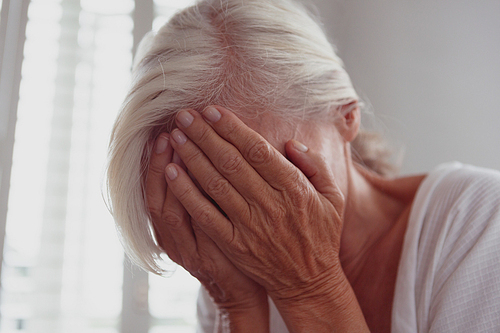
x=300 y=194
x=259 y=152
x=172 y=219
x=156 y=169
x=276 y=213
x=202 y=216
x=239 y=249
x=192 y=157
x=293 y=179
x=184 y=194
x=203 y=134
x=230 y=163
x=205 y=268
x=218 y=187
x=299 y=199
x=295 y=185
x=230 y=130
x=155 y=165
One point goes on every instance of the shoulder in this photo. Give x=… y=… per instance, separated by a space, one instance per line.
x=458 y=258
x=455 y=196
x=457 y=210
x=459 y=181
x=460 y=212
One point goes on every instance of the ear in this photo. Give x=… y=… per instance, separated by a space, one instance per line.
x=348 y=120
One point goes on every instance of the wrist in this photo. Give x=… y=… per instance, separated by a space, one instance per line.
x=325 y=304
x=249 y=316
x=243 y=320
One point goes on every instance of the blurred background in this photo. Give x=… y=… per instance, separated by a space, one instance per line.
x=429 y=70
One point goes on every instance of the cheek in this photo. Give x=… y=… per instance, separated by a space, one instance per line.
x=337 y=161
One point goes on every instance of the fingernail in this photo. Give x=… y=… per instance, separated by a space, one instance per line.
x=185 y=118
x=171 y=172
x=211 y=114
x=178 y=136
x=161 y=144
x=299 y=146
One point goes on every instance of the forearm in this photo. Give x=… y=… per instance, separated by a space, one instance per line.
x=325 y=307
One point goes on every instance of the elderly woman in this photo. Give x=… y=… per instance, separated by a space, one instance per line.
x=238 y=153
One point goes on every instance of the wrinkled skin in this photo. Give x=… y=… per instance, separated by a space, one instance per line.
x=187 y=245
x=280 y=223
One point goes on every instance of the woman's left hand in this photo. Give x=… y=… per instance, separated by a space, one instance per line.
x=279 y=225
x=242 y=304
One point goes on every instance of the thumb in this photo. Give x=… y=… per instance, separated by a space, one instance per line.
x=315 y=168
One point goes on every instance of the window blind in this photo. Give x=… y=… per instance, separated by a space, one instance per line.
x=62 y=263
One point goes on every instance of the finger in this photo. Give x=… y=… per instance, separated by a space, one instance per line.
x=173 y=227
x=212 y=182
x=167 y=244
x=201 y=210
x=316 y=170
x=210 y=251
x=156 y=185
x=271 y=165
x=176 y=226
x=225 y=157
x=177 y=160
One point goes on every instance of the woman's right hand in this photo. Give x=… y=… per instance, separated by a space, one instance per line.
x=242 y=303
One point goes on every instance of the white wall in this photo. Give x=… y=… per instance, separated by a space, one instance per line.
x=431 y=70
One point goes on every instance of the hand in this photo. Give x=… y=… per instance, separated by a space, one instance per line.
x=279 y=229
x=186 y=244
x=283 y=226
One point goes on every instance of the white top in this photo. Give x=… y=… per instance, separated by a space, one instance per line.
x=449 y=273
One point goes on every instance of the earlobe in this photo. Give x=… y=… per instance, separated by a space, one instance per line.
x=348 y=121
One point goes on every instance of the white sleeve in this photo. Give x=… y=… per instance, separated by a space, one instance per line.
x=464 y=273
x=206 y=312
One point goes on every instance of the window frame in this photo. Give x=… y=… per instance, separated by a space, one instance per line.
x=13 y=21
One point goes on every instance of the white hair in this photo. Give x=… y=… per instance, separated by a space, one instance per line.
x=246 y=55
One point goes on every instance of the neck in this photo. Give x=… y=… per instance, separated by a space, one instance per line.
x=369 y=216
x=375 y=219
